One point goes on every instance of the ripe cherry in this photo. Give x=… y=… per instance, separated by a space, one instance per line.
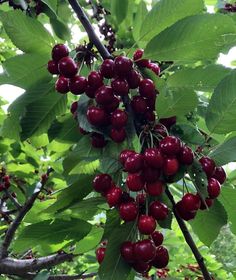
x=90 y=92
x=113 y=196
x=124 y=155
x=133 y=78
x=158 y=210
x=113 y=105
x=170 y=145
x=120 y=86
x=144 y=250
x=146 y=224
x=154 y=67
x=208 y=202
x=213 y=188
x=97 y=116
x=100 y=254
x=128 y=211
x=127 y=251
x=208 y=165
x=146 y=88
x=125 y=198
x=95 y=79
x=160 y=129
x=118 y=135
x=135 y=182
x=139 y=105
x=74 y=107
x=67 y=67
x=134 y=163
x=59 y=51
x=191 y=202
x=122 y=65
x=171 y=166
x=141 y=267
x=141 y=199
x=53 y=67
x=168 y=122
x=157 y=238
x=98 y=140
x=155 y=188
x=102 y=183
x=185 y=215
x=219 y=174
x=104 y=95
x=150 y=175
x=161 y=259
x=62 y=85
x=107 y=68
x=151 y=101
x=78 y=85
x=119 y=118
x=150 y=116
x=186 y=155
x=137 y=58
x=153 y=157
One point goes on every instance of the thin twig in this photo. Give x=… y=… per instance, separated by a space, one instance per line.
x=14 y=201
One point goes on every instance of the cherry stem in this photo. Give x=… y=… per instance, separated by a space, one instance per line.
x=105 y=54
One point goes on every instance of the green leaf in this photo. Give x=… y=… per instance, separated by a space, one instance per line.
x=52 y=4
x=188 y=134
x=43 y=275
x=138 y=20
x=113 y=265
x=167 y=12
x=202 y=78
x=112 y=221
x=199 y=37
x=207 y=224
x=176 y=102
x=119 y=11
x=27 y=33
x=60 y=28
x=221 y=113
x=109 y=165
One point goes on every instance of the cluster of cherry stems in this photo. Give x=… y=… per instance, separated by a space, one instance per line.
x=148 y=171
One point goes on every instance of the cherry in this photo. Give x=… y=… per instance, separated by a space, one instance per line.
x=74 y=107
x=135 y=182
x=126 y=198
x=168 y=122
x=113 y=196
x=144 y=250
x=191 y=202
x=119 y=118
x=158 y=210
x=186 y=155
x=133 y=78
x=59 y=51
x=146 y=88
x=153 y=157
x=107 y=68
x=171 y=166
x=185 y=215
x=127 y=251
x=98 y=140
x=122 y=65
x=120 y=86
x=128 y=211
x=155 y=188
x=53 y=67
x=151 y=101
x=118 y=135
x=78 y=85
x=170 y=145
x=160 y=129
x=139 y=105
x=62 y=85
x=146 y=224
x=100 y=254
x=104 y=95
x=161 y=259
x=102 y=183
x=124 y=155
x=208 y=165
x=67 y=67
x=150 y=175
x=150 y=116
x=90 y=92
x=2 y=187
x=134 y=163
x=208 y=202
x=141 y=199
x=154 y=67
x=113 y=105
x=97 y=116
x=219 y=174
x=141 y=267
x=213 y=188
x=137 y=58
x=157 y=237
x=95 y=79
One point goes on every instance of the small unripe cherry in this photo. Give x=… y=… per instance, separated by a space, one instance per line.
x=67 y=67
x=146 y=224
x=78 y=84
x=53 y=67
x=62 y=85
x=59 y=51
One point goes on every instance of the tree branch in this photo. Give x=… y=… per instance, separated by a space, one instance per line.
x=30 y=276
x=14 y=201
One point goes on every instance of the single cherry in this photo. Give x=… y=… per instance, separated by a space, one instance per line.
x=213 y=188
x=191 y=202
x=139 y=105
x=146 y=224
x=53 y=67
x=153 y=157
x=185 y=215
x=135 y=182
x=113 y=105
x=128 y=211
x=219 y=174
x=122 y=65
x=78 y=85
x=120 y=86
x=59 y=51
x=100 y=254
x=113 y=196
x=102 y=183
x=118 y=135
x=107 y=68
x=157 y=238
x=208 y=165
x=208 y=202
x=141 y=267
x=171 y=166
x=170 y=145
x=158 y=210
x=95 y=79
x=119 y=118
x=124 y=155
x=146 y=88
x=127 y=251
x=74 y=107
x=62 y=85
x=137 y=58
x=144 y=250
x=154 y=67
x=134 y=163
x=161 y=259
x=97 y=116
x=155 y=188
x=133 y=78
x=186 y=155
x=90 y=92
x=67 y=67
x=104 y=95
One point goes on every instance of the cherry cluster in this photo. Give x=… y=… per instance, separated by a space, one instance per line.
x=4 y=181
x=230 y=7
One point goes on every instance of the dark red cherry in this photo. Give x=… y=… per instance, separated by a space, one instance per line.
x=113 y=105
x=120 y=86
x=160 y=129
x=170 y=145
x=161 y=259
x=146 y=88
x=154 y=67
x=67 y=67
x=208 y=202
x=137 y=58
x=62 y=85
x=144 y=250
x=135 y=182
x=150 y=174
x=213 y=188
x=151 y=101
x=141 y=267
x=125 y=198
x=98 y=140
x=208 y=165
x=157 y=238
x=113 y=196
x=150 y=116
x=118 y=135
x=78 y=85
x=146 y=224
x=97 y=116
x=158 y=210
x=119 y=118
x=95 y=80
x=153 y=157
x=128 y=211
x=59 y=51
x=185 y=215
x=90 y=92
x=133 y=78
x=141 y=198
x=186 y=155
x=122 y=65
x=74 y=107
x=102 y=183
x=100 y=254
x=191 y=202
x=168 y=122
x=104 y=95
x=127 y=251
x=53 y=67
x=139 y=105
x=171 y=166
x=124 y=155
x=134 y=163
x=107 y=68
x=219 y=174
x=155 y=188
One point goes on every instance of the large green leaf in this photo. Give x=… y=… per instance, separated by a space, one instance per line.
x=167 y=12
x=138 y=20
x=118 y=10
x=221 y=113
x=199 y=37
x=27 y=33
x=202 y=78
x=113 y=265
x=207 y=224
x=176 y=102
